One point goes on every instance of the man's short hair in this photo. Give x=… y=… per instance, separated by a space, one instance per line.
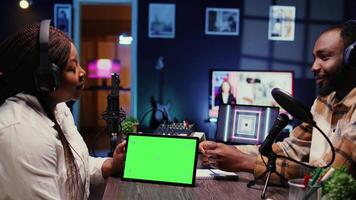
x=348 y=32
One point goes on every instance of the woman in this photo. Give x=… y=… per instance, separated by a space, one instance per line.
x=43 y=156
x=225 y=95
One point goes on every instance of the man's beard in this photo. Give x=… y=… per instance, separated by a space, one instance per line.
x=332 y=82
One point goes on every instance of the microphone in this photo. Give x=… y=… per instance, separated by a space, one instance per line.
x=299 y=111
x=292 y=106
x=113 y=115
x=280 y=122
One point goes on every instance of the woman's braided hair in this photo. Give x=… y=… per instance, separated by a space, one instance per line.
x=19 y=59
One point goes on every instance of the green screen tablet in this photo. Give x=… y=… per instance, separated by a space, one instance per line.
x=161 y=159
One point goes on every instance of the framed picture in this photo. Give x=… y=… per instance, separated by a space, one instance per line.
x=281 y=23
x=63 y=18
x=161 y=20
x=222 y=21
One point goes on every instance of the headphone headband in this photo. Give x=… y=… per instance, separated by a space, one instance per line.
x=43 y=44
x=349 y=57
x=47 y=73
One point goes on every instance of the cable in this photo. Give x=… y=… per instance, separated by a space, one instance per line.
x=264 y=162
x=144 y=115
x=309 y=166
x=149 y=111
x=95 y=140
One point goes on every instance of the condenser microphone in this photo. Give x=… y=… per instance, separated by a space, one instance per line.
x=113 y=114
x=280 y=122
x=113 y=107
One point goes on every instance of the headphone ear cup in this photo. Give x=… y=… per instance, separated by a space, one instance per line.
x=48 y=80
x=56 y=75
x=350 y=56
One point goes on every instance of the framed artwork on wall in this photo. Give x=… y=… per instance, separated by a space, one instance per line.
x=222 y=21
x=161 y=20
x=281 y=24
x=63 y=18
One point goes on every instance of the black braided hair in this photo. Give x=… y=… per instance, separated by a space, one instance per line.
x=19 y=58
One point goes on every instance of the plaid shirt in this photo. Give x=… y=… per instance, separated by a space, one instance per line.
x=337 y=119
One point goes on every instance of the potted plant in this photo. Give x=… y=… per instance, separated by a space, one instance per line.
x=129 y=125
x=340 y=186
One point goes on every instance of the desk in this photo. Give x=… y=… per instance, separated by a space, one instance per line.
x=204 y=189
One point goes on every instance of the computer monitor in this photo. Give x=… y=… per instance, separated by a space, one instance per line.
x=245 y=124
x=247 y=87
x=161 y=159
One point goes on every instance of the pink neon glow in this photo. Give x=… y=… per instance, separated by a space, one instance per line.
x=103 y=68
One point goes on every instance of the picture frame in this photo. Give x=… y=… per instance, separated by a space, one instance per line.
x=161 y=20
x=222 y=21
x=63 y=18
x=281 y=24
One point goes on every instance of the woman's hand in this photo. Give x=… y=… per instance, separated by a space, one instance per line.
x=113 y=166
x=226 y=157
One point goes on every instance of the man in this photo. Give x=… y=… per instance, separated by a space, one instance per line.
x=334 y=111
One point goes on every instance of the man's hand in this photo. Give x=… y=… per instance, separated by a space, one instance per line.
x=226 y=157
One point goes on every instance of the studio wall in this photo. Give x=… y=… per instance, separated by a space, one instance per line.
x=191 y=54
x=12 y=17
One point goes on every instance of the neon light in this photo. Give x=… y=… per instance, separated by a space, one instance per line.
x=213 y=120
x=267 y=122
x=227 y=122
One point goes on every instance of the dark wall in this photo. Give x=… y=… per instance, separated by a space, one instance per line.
x=187 y=58
x=192 y=54
x=12 y=17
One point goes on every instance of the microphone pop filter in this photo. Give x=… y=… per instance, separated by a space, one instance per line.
x=292 y=106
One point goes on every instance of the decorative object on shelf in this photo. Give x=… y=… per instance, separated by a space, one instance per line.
x=63 y=18
x=222 y=21
x=161 y=20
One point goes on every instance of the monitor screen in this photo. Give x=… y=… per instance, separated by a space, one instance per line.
x=103 y=68
x=246 y=87
x=161 y=159
x=245 y=124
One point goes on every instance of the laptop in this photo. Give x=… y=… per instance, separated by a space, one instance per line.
x=244 y=124
x=161 y=159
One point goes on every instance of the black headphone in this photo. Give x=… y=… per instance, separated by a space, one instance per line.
x=350 y=52
x=47 y=73
x=350 y=55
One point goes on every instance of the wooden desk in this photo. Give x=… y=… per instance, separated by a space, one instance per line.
x=204 y=189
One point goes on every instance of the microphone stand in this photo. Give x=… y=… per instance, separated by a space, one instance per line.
x=270 y=168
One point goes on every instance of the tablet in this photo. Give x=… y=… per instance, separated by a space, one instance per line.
x=161 y=159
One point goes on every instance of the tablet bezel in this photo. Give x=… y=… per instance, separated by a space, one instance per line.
x=192 y=184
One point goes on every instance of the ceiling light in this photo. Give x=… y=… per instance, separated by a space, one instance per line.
x=124 y=39
x=24 y=4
